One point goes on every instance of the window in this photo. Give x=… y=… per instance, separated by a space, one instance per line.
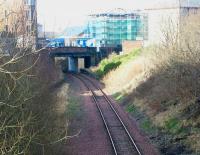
x=29 y=2
x=6 y=13
x=28 y=15
x=26 y=2
x=28 y=28
x=6 y=28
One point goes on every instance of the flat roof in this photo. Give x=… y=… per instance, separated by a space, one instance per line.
x=167 y=8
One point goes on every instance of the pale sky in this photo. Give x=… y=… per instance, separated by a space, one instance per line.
x=58 y=14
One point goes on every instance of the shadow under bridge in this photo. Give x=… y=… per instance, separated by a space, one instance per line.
x=76 y=57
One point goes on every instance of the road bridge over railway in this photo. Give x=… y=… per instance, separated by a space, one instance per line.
x=90 y=55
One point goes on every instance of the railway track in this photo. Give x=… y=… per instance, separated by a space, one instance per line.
x=120 y=138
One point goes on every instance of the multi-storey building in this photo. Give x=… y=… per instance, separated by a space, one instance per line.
x=111 y=29
x=19 y=18
x=169 y=14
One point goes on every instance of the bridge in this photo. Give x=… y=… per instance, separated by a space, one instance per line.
x=90 y=55
x=72 y=51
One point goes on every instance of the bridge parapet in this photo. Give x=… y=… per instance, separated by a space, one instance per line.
x=71 y=51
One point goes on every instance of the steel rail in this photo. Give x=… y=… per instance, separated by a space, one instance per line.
x=100 y=111
x=112 y=107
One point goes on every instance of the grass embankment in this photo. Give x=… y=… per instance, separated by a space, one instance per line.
x=160 y=87
x=113 y=62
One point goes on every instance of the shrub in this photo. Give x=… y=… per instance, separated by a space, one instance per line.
x=114 y=61
x=173 y=125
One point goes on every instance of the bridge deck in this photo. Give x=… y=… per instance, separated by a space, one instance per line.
x=72 y=51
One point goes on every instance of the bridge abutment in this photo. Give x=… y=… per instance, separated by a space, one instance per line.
x=73 y=64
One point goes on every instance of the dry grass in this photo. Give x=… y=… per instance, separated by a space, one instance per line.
x=164 y=83
x=116 y=80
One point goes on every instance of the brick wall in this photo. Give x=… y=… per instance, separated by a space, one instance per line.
x=129 y=46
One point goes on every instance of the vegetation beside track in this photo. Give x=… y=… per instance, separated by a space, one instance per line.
x=113 y=62
x=160 y=87
x=33 y=103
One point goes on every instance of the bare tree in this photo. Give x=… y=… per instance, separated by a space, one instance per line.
x=178 y=54
x=25 y=101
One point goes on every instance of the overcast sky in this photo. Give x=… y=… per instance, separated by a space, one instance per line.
x=58 y=14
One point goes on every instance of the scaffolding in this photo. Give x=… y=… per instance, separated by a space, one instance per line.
x=110 y=29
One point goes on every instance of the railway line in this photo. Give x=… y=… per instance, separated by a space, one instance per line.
x=121 y=140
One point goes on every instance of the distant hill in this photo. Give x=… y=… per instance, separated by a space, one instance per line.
x=71 y=31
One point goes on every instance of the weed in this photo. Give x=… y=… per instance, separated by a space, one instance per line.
x=173 y=125
x=73 y=109
x=131 y=108
x=147 y=126
x=118 y=96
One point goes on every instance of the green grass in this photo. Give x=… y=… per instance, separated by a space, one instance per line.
x=115 y=61
x=147 y=126
x=131 y=109
x=145 y=123
x=174 y=126
x=73 y=109
x=118 y=96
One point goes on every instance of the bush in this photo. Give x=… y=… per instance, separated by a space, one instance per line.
x=114 y=61
x=27 y=107
x=173 y=125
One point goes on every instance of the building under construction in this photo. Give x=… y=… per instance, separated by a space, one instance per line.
x=112 y=28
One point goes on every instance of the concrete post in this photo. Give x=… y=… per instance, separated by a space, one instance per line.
x=73 y=64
